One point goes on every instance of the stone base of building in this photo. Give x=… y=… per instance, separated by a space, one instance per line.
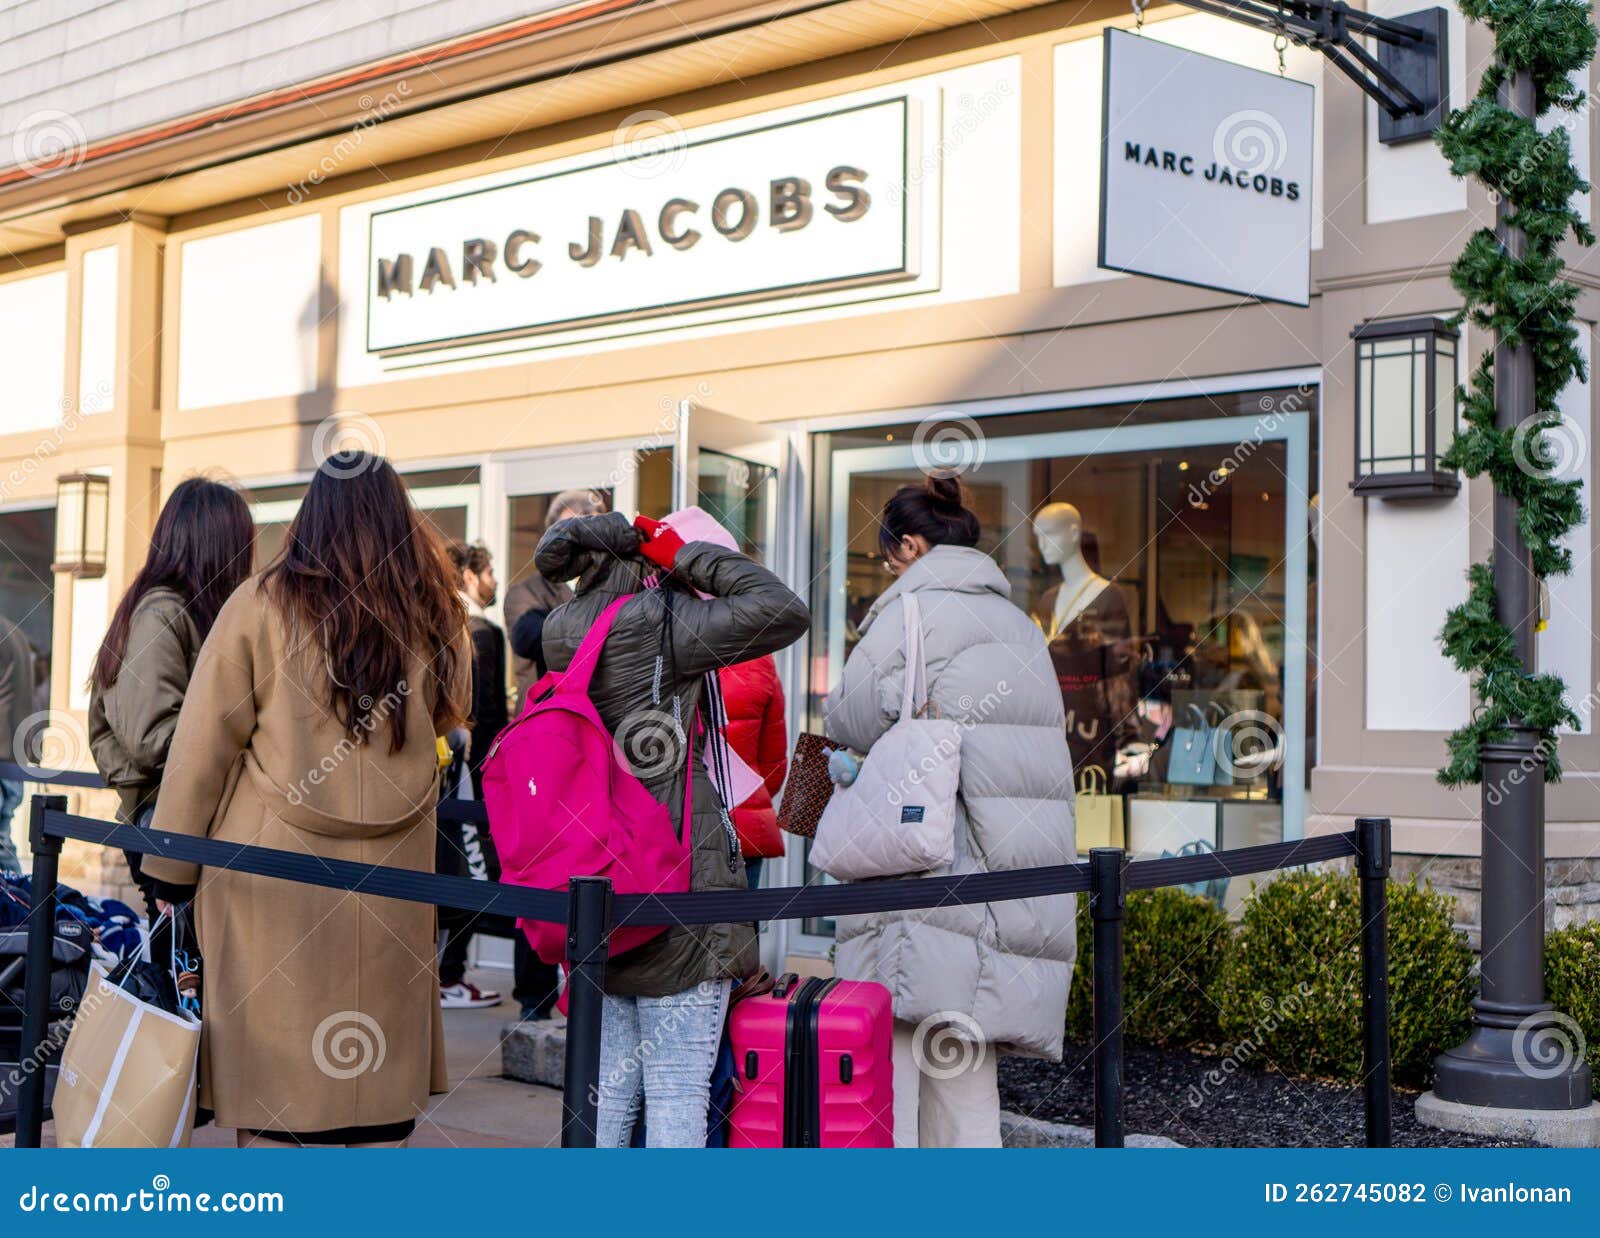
x=1553 y=1128
x=1573 y=885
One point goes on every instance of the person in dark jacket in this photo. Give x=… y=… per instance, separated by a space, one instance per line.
x=16 y=707
x=666 y=999
x=488 y=717
x=201 y=550
x=529 y=602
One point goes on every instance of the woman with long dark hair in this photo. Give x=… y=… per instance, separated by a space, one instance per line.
x=310 y=726
x=202 y=548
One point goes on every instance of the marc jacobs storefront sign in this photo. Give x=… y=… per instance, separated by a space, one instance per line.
x=775 y=211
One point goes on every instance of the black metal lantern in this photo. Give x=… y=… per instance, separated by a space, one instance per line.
x=1405 y=408
x=83 y=515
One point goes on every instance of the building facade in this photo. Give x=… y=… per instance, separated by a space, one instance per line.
x=776 y=259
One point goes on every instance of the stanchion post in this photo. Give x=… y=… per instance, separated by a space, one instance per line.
x=36 y=984
x=1107 y=901
x=588 y=943
x=1372 y=838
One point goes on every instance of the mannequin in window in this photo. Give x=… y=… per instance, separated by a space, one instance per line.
x=1085 y=619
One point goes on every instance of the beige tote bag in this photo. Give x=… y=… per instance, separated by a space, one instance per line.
x=127 y=1074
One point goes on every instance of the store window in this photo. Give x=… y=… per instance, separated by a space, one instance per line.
x=1163 y=549
x=27 y=592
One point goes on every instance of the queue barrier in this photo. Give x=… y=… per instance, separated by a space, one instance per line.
x=591 y=910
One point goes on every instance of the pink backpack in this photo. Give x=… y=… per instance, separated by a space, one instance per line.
x=563 y=803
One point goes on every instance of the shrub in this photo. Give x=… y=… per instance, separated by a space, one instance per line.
x=1572 y=981
x=1172 y=946
x=1290 y=988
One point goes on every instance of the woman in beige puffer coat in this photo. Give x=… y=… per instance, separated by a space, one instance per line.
x=968 y=981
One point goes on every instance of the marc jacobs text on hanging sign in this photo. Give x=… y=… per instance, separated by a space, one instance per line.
x=1219 y=173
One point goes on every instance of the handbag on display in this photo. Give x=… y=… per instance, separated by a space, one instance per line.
x=899 y=815
x=1194 y=759
x=1099 y=814
x=808 y=788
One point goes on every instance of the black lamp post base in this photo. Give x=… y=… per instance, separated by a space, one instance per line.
x=1516 y=1057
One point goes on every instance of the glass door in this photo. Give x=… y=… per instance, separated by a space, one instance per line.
x=742 y=472
x=730 y=468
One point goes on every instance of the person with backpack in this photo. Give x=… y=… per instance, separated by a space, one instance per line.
x=310 y=726
x=666 y=998
x=967 y=981
x=201 y=550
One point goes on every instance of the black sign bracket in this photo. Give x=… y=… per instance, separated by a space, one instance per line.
x=1408 y=74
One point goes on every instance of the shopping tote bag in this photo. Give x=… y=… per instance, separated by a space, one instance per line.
x=899 y=815
x=1099 y=815
x=128 y=1072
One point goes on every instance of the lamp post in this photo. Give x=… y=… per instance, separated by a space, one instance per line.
x=1517 y=1055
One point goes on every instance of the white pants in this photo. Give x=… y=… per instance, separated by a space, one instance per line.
x=945 y=1095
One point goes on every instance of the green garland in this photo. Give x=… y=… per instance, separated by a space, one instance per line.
x=1527 y=301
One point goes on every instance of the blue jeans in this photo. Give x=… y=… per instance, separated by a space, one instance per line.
x=659 y=1050
x=10 y=799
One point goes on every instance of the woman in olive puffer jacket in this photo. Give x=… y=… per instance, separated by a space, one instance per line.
x=665 y=1000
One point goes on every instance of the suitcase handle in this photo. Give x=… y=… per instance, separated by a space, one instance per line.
x=784 y=983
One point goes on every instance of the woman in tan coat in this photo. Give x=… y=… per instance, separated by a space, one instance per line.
x=309 y=726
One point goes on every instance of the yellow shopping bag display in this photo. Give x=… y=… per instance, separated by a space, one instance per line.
x=1100 y=819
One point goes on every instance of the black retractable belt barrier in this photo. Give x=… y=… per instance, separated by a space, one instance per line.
x=1108 y=900
x=12 y=772
x=592 y=911
x=588 y=943
x=31 y=1060
x=376 y=879
x=1372 y=841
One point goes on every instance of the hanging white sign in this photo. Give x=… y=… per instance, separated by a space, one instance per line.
x=796 y=207
x=1205 y=171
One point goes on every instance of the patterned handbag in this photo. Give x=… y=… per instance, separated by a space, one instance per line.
x=808 y=788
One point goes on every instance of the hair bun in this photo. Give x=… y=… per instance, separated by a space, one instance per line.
x=945 y=490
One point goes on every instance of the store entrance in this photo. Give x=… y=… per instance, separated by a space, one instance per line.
x=1167 y=564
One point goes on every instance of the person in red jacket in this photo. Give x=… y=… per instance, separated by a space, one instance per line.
x=753 y=698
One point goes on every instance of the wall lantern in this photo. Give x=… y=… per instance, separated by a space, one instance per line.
x=83 y=514
x=1405 y=408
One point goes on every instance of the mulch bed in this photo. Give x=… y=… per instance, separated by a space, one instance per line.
x=1187 y=1097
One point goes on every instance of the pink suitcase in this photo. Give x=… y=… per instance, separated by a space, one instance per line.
x=812 y=1066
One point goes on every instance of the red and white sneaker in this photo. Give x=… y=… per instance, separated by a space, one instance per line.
x=464 y=995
